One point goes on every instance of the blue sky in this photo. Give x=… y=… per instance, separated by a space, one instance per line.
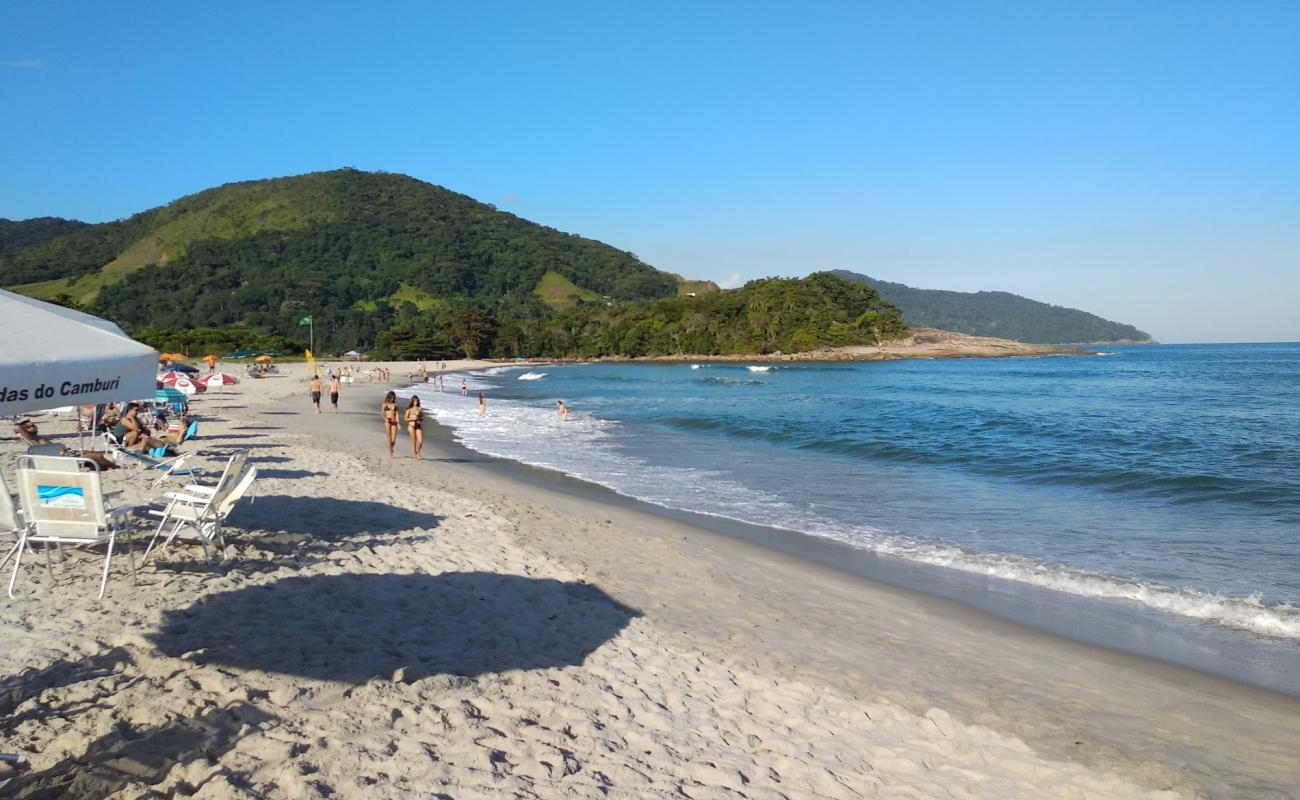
x=1140 y=160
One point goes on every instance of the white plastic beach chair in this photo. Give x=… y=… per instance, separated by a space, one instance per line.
x=64 y=505
x=233 y=469
x=202 y=513
x=10 y=522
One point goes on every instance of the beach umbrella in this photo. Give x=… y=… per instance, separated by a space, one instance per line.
x=186 y=368
x=52 y=356
x=172 y=357
x=167 y=395
x=262 y=359
x=187 y=387
x=219 y=379
x=178 y=381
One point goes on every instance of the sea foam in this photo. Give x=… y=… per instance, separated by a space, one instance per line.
x=588 y=448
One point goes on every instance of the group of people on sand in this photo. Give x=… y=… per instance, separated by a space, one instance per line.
x=394 y=416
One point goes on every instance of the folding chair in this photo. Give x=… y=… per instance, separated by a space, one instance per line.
x=63 y=505
x=10 y=523
x=203 y=514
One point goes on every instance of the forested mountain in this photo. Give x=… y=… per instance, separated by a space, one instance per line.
x=999 y=314
x=19 y=233
x=399 y=267
x=765 y=316
x=359 y=251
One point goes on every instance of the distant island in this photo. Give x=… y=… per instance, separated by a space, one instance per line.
x=999 y=314
x=401 y=268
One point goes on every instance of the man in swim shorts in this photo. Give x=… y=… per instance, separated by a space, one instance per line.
x=313 y=386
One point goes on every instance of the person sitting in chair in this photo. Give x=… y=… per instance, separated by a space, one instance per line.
x=132 y=432
x=26 y=430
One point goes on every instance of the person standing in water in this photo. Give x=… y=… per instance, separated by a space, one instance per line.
x=388 y=412
x=482 y=405
x=334 y=393
x=562 y=410
x=415 y=425
x=464 y=388
x=313 y=386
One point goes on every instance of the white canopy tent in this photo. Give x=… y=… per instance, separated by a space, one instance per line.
x=52 y=356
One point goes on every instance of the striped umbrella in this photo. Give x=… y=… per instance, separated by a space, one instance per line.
x=219 y=379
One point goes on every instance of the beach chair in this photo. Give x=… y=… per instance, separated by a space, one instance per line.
x=64 y=505
x=175 y=468
x=203 y=514
x=176 y=511
x=233 y=469
x=11 y=523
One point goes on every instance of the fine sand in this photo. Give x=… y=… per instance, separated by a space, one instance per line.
x=437 y=629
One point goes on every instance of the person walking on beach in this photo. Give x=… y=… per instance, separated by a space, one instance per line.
x=388 y=412
x=562 y=410
x=313 y=386
x=424 y=373
x=482 y=405
x=334 y=393
x=415 y=425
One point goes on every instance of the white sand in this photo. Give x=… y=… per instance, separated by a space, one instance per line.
x=400 y=629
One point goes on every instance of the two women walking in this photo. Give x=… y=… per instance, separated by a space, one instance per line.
x=413 y=416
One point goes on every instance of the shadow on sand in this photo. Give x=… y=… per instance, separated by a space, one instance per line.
x=289 y=474
x=130 y=752
x=355 y=627
x=326 y=518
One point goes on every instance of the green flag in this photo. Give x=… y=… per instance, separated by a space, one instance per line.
x=304 y=321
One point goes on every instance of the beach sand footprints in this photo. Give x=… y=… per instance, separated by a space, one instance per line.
x=352 y=628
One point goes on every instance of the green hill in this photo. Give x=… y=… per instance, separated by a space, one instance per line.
x=359 y=251
x=765 y=316
x=1001 y=314
x=17 y=234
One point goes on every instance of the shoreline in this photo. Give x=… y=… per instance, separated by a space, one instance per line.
x=1144 y=630
x=1110 y=683
x=922 y=343
x=388 y=629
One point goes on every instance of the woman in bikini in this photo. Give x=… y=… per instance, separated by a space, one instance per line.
x=388 y=411
x=415 y=425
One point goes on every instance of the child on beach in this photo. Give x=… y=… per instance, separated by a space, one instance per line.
x=414 y=425
x=562 y=410
x=313 y=386
x=464 y=388
x=388 y=412
x=334 y=393
x=482 y=405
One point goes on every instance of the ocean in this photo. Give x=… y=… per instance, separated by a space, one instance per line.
x=1156 y=482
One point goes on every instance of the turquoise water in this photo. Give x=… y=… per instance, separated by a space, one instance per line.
x=1163 y=477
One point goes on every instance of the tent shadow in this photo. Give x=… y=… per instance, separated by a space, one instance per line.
x=299 y=532
x=129 y=755
x=326 y=518
x=351 y=628
x=289 y=474
x=35 y=683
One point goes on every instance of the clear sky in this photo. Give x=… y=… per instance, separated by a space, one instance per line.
x=1140 y=160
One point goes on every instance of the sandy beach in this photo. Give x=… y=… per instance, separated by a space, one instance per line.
x=439 y=628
